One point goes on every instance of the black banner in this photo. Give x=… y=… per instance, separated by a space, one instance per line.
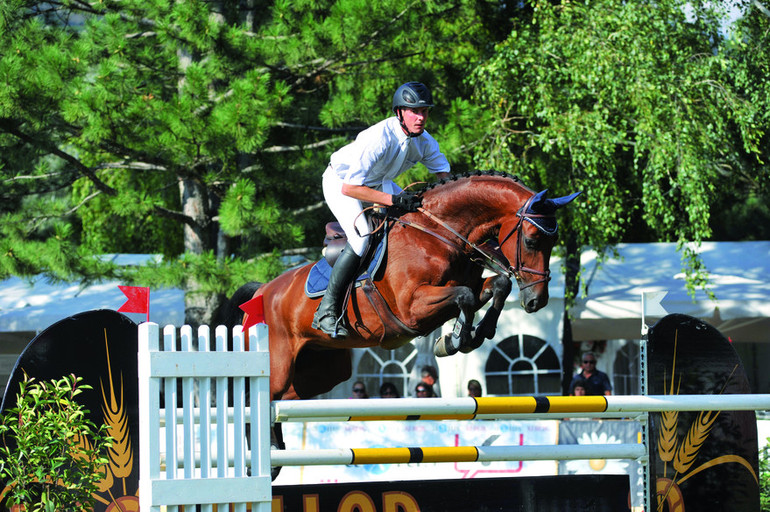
x=705 y=460
x=573 y=493
x=101 y=347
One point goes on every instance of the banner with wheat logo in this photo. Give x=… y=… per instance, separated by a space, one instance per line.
x=101 y=347
x=701 y=460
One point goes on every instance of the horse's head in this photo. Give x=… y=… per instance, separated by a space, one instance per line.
x=529 y=251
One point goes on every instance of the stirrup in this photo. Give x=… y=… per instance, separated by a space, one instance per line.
x=338 y=331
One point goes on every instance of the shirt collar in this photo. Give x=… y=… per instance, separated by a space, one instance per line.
x=395 y=126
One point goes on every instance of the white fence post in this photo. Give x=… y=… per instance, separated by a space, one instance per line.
x=189 y=477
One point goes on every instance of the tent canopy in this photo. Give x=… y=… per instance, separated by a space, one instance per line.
x=33 y=305
x=739 y=271
x=739 y=275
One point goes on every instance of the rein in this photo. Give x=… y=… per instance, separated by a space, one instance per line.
x=489 y=260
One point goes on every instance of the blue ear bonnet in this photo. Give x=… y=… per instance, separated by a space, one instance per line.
x=541 y=210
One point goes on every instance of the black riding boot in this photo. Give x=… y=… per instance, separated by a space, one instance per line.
x=327 y=316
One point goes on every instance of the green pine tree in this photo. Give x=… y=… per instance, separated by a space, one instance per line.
x=199 y=130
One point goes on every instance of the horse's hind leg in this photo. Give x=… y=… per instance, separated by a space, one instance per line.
x=497 y=288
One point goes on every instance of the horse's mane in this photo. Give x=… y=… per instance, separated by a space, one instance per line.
x=457 y=177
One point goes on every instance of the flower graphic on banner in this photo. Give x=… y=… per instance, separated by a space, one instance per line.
x=606 y=466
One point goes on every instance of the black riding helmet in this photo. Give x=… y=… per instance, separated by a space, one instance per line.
x=411 y=95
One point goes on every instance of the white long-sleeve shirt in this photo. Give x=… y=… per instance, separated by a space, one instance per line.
x=382 y=152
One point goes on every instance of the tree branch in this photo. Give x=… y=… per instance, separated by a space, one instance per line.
x=83 y=169
x=175 y=215
x=137 y=166
x=310 y=208
x=372 y=37
x=761 y=8
x=286 y=149
x=350 y=129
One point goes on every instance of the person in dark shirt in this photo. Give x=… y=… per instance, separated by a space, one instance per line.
x=596 y=382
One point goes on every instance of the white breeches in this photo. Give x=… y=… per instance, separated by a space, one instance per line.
x=347 y=211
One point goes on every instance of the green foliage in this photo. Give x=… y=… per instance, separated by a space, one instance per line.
x=632 y=103
x=764 y=479
x=200 y=130
x=50 y=452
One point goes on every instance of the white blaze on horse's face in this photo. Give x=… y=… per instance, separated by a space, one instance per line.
x=533 y=271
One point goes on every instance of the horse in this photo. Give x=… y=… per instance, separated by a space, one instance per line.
x=433 y=268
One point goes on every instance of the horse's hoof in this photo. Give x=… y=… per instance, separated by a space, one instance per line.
x=476 y=340
x=444 y=346
x=483 y=332
x=274 y=472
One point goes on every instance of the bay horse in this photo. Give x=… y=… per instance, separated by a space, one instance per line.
x=432 y=273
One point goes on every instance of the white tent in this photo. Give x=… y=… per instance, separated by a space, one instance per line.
x=739 y=277
x=33 y=305
x=739 y=273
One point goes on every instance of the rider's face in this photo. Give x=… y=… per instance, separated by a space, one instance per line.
x=415 y=119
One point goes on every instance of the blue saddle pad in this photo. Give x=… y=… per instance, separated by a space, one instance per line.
x=318 y=278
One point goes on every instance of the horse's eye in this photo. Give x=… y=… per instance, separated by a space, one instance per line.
x=530 y=243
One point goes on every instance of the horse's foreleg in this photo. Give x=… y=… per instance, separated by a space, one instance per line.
x=436 y=299
x=496 y=288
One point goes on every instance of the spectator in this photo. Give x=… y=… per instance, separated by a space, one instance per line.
x=429 y=375
x=424 y=390
x=579 y=387
x=359 y=390
x=388 y=390
x=474 y=388
x=596 y=382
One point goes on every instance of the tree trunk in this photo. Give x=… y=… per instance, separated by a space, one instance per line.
x=198 y=238
x=571 y=289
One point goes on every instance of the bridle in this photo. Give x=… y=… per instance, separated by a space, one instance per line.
x=489 y=259
x=517 y=267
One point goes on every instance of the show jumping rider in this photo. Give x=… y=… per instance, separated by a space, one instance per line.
x=363 y=171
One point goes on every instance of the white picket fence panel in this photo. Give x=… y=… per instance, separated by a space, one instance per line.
x=196 y=453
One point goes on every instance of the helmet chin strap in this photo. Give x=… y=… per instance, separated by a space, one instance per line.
x=400 y=115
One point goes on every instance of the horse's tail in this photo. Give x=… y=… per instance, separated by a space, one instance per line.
x=230 y=314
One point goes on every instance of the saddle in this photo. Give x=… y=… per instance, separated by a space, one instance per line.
x=334 y=241
x=318 y=278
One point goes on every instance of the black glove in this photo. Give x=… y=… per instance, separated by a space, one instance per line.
x=406 y=201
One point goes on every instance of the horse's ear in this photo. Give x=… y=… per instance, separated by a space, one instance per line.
x=561 y=201
x=544 y=206
x=538 y=202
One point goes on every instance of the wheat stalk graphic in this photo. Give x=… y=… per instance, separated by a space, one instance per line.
x=667 y=438
x=116 y=417
x=695 y=438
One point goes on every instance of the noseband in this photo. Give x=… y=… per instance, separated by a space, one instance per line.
x=517 y=268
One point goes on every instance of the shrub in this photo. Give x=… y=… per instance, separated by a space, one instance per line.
x=764 y=477
x=49 y=449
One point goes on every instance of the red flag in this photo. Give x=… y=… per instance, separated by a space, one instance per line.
x=138 y=300
x=255 y=313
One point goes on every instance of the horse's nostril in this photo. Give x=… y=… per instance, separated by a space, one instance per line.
x=535 y=304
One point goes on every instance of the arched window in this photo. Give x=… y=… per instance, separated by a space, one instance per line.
x=378 y=365
x=523 y=365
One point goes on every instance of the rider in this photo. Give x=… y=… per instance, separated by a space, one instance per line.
x=363 y=171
